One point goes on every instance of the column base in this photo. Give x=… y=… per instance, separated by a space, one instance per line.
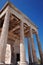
x=23 y=63
x=34 y=63
x=2 y=63
x=5 y=64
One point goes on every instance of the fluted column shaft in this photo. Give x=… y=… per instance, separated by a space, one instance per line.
x=33 y=48
x=3 y=38
x=39 y=47
x=22 y=49
x=29 y=51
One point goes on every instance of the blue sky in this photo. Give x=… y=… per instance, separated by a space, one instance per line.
x=34 y=10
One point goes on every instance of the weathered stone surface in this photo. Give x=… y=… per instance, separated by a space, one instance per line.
x=39 y=47
x=8 y=54
x=15 y=31
x=4 y=35
x=35 y=60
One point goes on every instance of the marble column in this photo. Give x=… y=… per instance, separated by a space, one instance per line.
x=3 y=38
x=39 y=47
x=12 y=54
x=29 y=51
x=22 y=49
x=33 y=48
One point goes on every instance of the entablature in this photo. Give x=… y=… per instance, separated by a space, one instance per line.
x=21 y=17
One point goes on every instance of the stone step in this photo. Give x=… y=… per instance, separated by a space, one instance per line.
x=8 y=64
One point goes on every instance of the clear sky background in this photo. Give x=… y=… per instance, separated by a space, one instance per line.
x=34 y=10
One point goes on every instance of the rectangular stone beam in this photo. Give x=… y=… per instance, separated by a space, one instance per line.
x=15 y=28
